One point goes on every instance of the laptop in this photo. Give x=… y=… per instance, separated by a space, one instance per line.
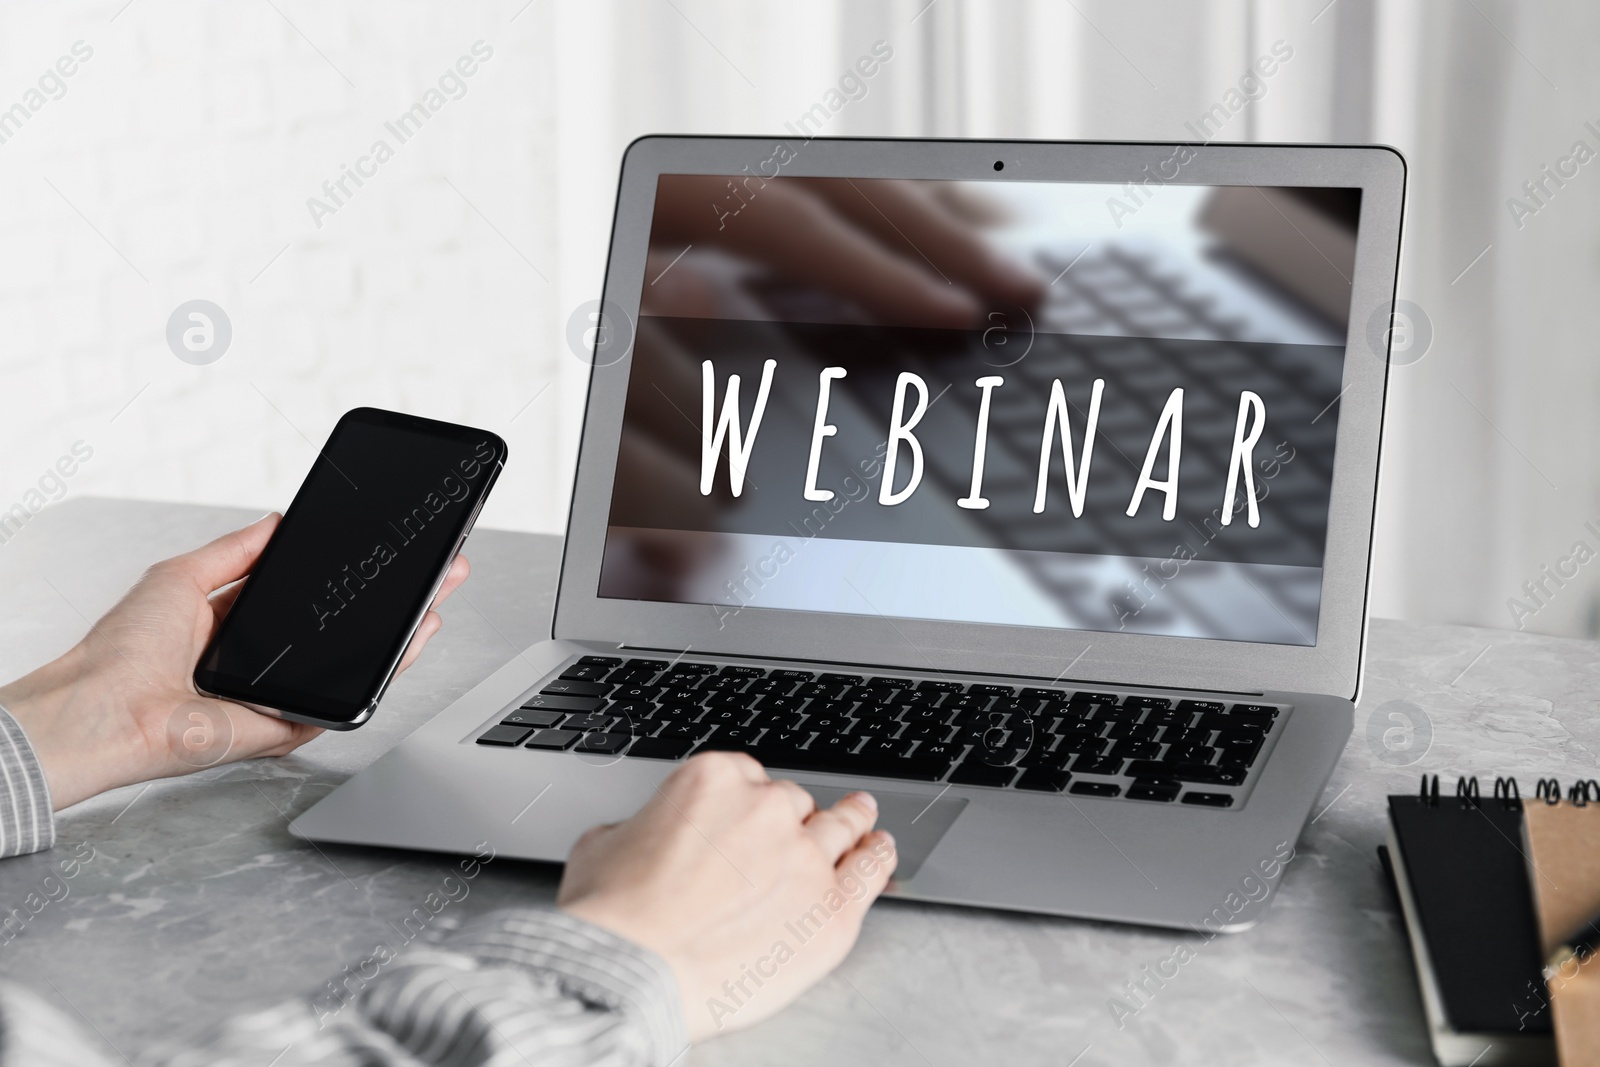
x=1028 y=485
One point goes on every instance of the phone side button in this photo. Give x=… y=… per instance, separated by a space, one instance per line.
x=553 y=739
x=504 y=735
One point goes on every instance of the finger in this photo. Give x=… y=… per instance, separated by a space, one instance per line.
x=868 y=866
x=230 y=732
x=229 y=557
x=804 y=803
x=794 y=231
x=222 y=602
x=839 y=828
x=908 y=219
x=298 y=734
x=749 y=767
x=430 y=625
x=457 y=574
x=432 y=622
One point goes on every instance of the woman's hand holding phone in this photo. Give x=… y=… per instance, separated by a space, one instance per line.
x=120 y=707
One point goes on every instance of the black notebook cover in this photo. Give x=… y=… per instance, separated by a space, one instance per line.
x=1468 y=878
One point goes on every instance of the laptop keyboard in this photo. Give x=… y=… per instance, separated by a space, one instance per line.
x=1043 y=739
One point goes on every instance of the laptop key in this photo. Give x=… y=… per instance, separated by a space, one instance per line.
x=603 y=743
x=540 y=719
x=552 y=739
x=1044 y=780
x=775 y=703
x=820 y=690
x=881 y=682
x=695 y=670
x=1209 y=800
x=1256 y=709
x=875 y=728
x=1136 y=749
x=600 y=661
x=723 y=683
x=1094 y=764
x=991 y=690
x=835 y=746
x=927 y=731
x=504 y=735
x=727 y=717
x=775 y=741
x=728 y=699
x=1161 y=789
x=636 y=692
x=980 y=773
x=731 y=739
x=585 y=673
x=1054 y=760
x=692 y=731
x=660 y=747
x=885 y=748
x=1083 y=743
x=1200 y=705
x=560 y=703
x=938 y=751
x=595 y=720
x=1239 y=746
x=562 y=687
x=1206 y=775
x=1095 y=789
x=1188 y=753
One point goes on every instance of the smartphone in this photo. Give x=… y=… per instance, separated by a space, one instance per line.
x=322 y=620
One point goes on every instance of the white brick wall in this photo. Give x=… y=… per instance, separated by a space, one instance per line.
x=191 y=140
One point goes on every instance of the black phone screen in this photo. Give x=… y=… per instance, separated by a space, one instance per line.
x=323 y=618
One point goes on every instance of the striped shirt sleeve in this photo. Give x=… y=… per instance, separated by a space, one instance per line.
x=524 y=986
x=27 y=823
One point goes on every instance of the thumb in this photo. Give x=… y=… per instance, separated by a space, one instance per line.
x=228 y=558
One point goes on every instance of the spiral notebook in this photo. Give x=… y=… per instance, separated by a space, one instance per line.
x=1471 y=897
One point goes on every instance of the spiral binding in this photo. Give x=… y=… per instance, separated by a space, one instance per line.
x=1583 y=792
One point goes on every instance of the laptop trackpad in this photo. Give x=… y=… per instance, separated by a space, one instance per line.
x=917 y=822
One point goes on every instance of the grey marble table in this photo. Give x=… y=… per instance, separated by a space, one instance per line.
x=198 y=903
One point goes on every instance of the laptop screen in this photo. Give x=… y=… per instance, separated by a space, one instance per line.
x=1071 y=405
